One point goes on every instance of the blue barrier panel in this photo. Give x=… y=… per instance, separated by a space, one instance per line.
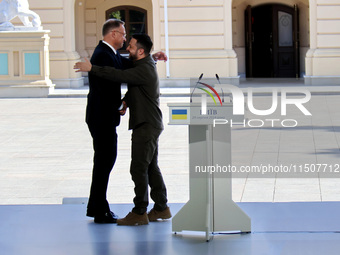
x=32 y=64
x=3 y=64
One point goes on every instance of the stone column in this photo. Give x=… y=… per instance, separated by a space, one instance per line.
x=62 y=63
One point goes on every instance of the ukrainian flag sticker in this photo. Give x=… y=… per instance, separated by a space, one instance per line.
x=179 y=114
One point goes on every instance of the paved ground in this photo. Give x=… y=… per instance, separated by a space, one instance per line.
x=46 y=152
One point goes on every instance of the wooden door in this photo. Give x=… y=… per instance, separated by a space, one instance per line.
x=272 y=41
x=285 y=41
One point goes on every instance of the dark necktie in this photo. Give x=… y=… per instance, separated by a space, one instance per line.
x=119 y=60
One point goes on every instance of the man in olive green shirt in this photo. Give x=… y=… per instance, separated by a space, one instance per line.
x=145 y=120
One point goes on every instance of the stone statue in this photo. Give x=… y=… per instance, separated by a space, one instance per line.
x=9 y=9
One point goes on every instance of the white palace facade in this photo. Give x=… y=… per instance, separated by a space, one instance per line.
x=233 y=38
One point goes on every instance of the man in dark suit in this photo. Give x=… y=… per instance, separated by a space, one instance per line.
x=102 y=118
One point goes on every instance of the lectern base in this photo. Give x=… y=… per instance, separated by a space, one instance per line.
x=226 y=216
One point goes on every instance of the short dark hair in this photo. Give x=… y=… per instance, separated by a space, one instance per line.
x=111 y=24
x=144 y=42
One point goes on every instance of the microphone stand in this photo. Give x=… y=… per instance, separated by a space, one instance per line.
x=199 y=79
x=218 y=79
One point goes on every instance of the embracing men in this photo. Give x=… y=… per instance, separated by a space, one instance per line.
x=142 y=99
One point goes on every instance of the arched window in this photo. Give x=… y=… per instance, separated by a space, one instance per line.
x=135 y=20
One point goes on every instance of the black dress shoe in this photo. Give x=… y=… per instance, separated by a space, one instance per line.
x=108 y=217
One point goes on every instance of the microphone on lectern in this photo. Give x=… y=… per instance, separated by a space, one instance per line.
x=218 y=79
x=199 y=79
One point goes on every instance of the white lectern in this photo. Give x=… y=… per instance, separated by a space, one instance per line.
x=210 y=207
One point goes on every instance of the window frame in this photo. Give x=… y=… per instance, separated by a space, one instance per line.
x=127 y=21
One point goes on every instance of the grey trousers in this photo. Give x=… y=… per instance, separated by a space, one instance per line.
x=144 y=169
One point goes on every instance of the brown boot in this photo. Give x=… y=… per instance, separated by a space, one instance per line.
x=134 y=219
x=155 y=215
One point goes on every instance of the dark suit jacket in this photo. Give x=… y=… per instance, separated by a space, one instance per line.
x=143 y=90
x=104 y=96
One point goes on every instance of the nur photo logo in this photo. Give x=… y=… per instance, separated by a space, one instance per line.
x=243 y=99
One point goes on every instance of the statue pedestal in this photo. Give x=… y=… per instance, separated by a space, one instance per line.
x=24 y=64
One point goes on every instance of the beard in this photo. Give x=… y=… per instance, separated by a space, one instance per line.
x=133 y=57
